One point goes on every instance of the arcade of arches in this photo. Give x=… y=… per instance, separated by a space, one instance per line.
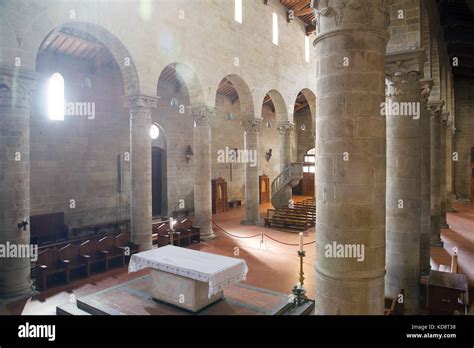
x=102 y=122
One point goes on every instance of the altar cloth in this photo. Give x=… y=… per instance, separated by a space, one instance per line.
x=216 y=270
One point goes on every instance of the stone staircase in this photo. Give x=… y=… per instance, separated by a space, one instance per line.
x=283 y=184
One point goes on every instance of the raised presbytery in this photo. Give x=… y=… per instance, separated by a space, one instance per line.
x=230 y=157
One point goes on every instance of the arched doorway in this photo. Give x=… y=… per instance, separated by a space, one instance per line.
x=159 y=175
x=158 y=184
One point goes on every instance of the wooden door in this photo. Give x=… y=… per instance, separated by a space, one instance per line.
x=219 y=196
x=156 y=181
x=264 y=189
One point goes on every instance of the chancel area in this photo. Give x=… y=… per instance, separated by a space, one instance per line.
x=235 y=157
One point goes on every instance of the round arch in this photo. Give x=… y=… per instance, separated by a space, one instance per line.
x=183 y=75
x=281 y=110
x=43 y=28
x=247 y=110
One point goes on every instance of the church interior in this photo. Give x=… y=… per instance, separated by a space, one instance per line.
x=291 y=157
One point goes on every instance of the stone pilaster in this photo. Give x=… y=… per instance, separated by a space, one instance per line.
x=285 y=132
x=251 y=129
x=16 y=89
x=403 y=211
x=425 y=235
x=202 y=116
x=444 y=154
x=141 y=108
x=436 y=109
x=350 y=50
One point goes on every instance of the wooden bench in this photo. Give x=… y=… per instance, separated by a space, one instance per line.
x=122 y=226
x=122 y=241
x=396 y=305
x=48 y=228
x=111 y=253
x=91 y=255
x=71 y=260
x=48 y=265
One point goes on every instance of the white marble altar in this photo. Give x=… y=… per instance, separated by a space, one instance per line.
x=188 y=278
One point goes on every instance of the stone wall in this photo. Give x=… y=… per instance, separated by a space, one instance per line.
x=76 y=159
x=464 y=138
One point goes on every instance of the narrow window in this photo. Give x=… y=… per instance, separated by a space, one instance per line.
x=306 y=49
x=275 y=28
x=56 y=97
x=238 y=11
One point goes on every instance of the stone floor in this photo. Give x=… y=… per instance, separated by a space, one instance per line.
x=272 y=265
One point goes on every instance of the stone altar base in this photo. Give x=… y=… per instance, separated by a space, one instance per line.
x=135 y=298
x=180 y=291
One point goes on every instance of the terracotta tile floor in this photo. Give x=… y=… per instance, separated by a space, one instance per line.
x=272 y=265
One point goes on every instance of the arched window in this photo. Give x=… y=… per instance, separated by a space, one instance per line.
x=309 y=161
x=56 y=97
x=154 y=131
x=238 y=11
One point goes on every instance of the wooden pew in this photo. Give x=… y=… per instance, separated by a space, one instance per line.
x=122 y=241
x=107 y=247
x=71 y=260
x=91 y=255
x=48 y=228
x=393 y=306
x=48 y=265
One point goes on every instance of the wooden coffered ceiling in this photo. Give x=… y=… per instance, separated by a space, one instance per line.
x=70 y=42
x=457 y=21
x=301 y=9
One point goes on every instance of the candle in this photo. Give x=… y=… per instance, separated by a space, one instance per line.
x=171 y=224
x=301 y=241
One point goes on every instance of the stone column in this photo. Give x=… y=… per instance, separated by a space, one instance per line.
x=449 y=164
x=251 y=129
x=202 y=116
x=350 y=51
x=285 y=132
x=403 y=211
x=425 y=235
x=16 y=90
x=141 y=107
x=436 y=110
x=444 y=195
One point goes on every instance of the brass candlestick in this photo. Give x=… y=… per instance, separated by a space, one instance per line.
x=299 y=292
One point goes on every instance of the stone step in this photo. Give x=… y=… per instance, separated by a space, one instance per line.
x=70 y=309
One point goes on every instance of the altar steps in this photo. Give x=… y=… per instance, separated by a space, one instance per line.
x=133 y=298
x=70 y=309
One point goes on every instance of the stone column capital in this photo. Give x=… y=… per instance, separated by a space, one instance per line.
x=436 y=109
x=333 y=15
x=405 y=61
x=426 y=85
x=140 y=101
x=286 y=129
x=403 y=83
x=203 y=114
x=445 y=117
x=17 y=87
x=252 y=125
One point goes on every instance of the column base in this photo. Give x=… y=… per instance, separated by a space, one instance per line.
x=17 y=295
x=444 y=225
x=208 y=237
x=437 y=243
x=250 y=222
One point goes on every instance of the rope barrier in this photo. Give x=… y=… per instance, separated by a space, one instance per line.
x=233 y=235
x=257 y=235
